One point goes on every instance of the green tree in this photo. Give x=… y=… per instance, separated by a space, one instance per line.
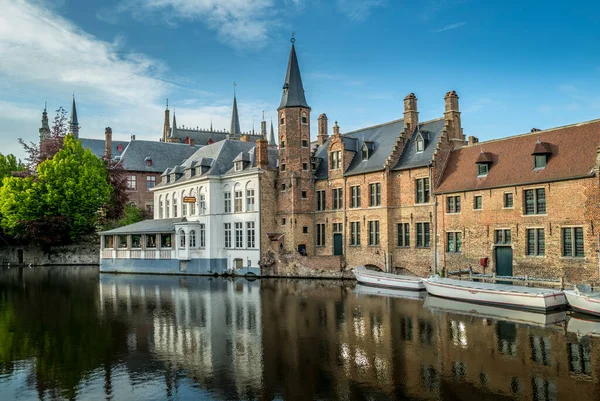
x=9 y=164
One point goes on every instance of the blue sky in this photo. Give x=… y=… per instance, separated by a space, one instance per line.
x=515 y=65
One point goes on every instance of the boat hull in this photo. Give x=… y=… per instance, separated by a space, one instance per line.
x=370 y=290
x=582 y=303
x=388 y=280
x=506 y=296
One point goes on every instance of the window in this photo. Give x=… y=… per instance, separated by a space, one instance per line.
x=202 y=233
x=227 y=235
x=283 y=167
x=454 y=242
x=539 y=161
x=305 y=166
x=192 y=208
x=239 y=235
x=336 y=160
x=174 y=207
x=150 y=240
x=422 y=186
x=305 y=230
x=182 y=239
x=136 y=241
x=482 y=169
x=502 y=237
x=250 y=200
x=282 y=145
x=375 y=194
x=304 y=143
x=283 y=221
x=337 y=227
x=304 y=119
x=320 y=234
x=282 y=121
x=131 y=182
x=202 y=204
x=192 y=239
x=320 y=200
x=303 y=194
x=355 y=233
x=337 y=198
x=238 y=166
x=535 y=201
x=160 y=208
x=183 y=209
x=508 y=200
x=365 y=153
x=165 y=240
x=283 y=187
x=237 y=201
x=423 y=235
x=536 y=245
x=227 y=198
x=109 y=242
x=150 y=182
x=403 y=239
x=453 y=204
x=420 y=145
x=572 y=238
x=477 y=202
x=250 y=235
x=355 y=196
x=374 y=233
x=168 y=209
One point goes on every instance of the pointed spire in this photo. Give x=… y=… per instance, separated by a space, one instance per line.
x=272 y=136
x=73 y=122
x=293 y=91
x=45 y=129
x=235 y=130
x=174 y=122
x=166 y=126
x=211 y=128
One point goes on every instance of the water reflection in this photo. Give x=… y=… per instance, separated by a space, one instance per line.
x=65 y=333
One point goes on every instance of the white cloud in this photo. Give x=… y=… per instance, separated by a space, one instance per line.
x=451 y=26
x=359 y=10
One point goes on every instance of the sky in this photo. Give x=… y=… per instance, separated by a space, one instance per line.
x=515 y=65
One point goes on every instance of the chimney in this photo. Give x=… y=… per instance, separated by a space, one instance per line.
x=452 y=117
x=245 y=138
x=471 y=140
x=108 y=142
x=133 y=137
x=262 y=154
x=336 y=129
x=411 y=115
x=322 y=131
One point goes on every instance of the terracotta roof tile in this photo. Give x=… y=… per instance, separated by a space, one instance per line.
x=573 y=154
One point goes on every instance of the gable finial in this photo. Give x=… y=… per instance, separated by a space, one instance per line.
x=293 y=39
x=167 y=103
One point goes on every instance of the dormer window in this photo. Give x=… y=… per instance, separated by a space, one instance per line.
x=482 y=169
x=168 y=179
x=336 y=160
x=484 y=161
x=420 y=141
x=420 y=145
x=539 y=161
x=365 y=153
x=541 y=152
x=148 y=161
x=367 y=149
x=238 y=166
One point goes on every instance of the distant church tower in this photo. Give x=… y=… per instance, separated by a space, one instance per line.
x=73 y=123
x=45 y=129
x=166 y=127
x=295 y=174
x=234 y=129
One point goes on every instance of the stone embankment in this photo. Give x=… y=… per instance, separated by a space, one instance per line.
x=80 y=254
x=277 y=264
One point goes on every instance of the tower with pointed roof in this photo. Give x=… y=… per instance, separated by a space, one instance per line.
x=234 y=130
x=295 y=173
x=73 y=122
x=272 y=143
x=45 y=129
x=167 y=125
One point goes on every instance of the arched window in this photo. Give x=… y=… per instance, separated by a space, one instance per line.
x=182 y=239
x=281 y=119
x=167 y=207
x=282 y=142
x=192 y=239
x=227 y=198
x=160 y=207
x=304 y=118
x=174 y=205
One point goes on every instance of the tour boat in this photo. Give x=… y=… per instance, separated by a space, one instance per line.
x=388 y=292
x=495 y=312
x=389 y=280
x=582 y=299
x=505 y=295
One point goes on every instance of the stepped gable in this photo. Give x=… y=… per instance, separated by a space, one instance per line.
x=161 y=154
x=431 y=131
x=573 y=155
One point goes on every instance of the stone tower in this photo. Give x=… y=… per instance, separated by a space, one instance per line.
x=295 y=182
x=73 y=122
x=45 y=129
x=167 y=124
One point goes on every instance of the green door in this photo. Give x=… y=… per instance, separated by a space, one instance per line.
x=504 y=261
x=337 y=244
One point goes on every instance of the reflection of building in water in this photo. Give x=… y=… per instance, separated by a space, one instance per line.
x=209 y=328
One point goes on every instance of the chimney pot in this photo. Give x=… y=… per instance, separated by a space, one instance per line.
x=411 y=115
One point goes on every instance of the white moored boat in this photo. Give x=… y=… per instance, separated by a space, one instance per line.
x=505 y=295
x=584 y=300
x=389 y=280
x=368 y=290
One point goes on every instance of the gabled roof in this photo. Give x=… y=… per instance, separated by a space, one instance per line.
x=97 y=147
x=573 y=156
x=162 y=154
x=293 y=91
x=383 y=138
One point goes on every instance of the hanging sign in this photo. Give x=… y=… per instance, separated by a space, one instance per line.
x=189 y=199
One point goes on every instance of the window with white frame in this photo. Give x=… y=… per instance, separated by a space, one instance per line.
x=160 y=207
x=183 y=209
x=336 y=160
x=250 y=235
x=131 y=182
x=250 y=200
x=238 y=201
x=182 y=239
x=535 y=201
x=192 y=238
x=174 y=207
x=202 y=204
x=168 y=208
x=227 y=230
x=355 y=233
x=239 y=235
x=374 y=233
x=202 y=234
x=227 y=201
x=192 y=208
x=150 y=182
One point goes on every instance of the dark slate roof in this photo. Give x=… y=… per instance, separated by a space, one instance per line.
x=147 y=227
x=162 y=154
x=431 y=131
x=201 y=137
x=97 y=146
x=573 y=156
x=73 y=120
x=272 y=136
x=293 y=91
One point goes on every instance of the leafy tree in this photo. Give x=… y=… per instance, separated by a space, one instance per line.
x=37 y=153
x=132 y=214
x=9 y=164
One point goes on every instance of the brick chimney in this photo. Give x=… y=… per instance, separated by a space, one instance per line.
x=336 y=129
x=262 y=154
x=452 y=117
x=471 y=140
x=322 y=131
x=108 y=142
x=411 y=115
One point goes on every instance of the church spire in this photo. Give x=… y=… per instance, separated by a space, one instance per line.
x=73 y=122
x=166 y=126
x=45 y=129
x=293 y=91
x=235 y=130
x=272 y=136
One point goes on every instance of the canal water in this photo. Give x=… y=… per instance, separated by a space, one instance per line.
x=70 y=333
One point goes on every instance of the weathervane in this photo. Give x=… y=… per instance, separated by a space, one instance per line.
x=293 y=39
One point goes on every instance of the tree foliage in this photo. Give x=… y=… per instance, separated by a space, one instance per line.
x=9 y=164
x=46 y=149
x=66 y=195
